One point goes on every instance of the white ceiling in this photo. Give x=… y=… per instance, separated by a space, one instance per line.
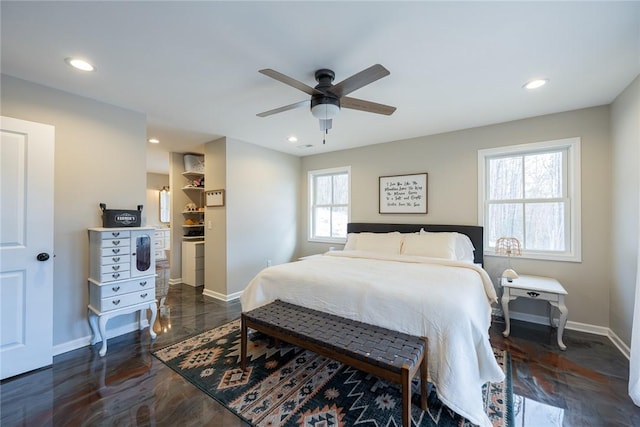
x=192 y=67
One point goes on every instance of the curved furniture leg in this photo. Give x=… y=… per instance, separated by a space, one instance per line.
x=505 y=310
x=562 y=322
x=154 y=311
x=93 y=322
x=102 y=324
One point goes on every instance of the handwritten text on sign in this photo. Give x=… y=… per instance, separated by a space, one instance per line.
x=403 y=194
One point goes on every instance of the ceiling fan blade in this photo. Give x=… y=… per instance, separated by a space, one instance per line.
x=285 y=108
x=368 y=106
x=359 y=80
x=290 y=81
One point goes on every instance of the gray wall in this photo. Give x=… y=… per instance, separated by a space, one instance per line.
x=258 y=221
x=625 y=131
x=451 y=161
x=100 y=156
x=262 y=210
x=215 y=251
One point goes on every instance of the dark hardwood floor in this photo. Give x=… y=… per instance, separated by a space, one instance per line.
x=128 y=386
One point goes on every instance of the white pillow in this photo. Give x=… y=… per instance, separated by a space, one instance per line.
x=352 y=239
x=433 y=245
x=463 y=248
x=388 y=243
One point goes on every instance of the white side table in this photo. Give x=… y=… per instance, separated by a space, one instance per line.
x=535 y=287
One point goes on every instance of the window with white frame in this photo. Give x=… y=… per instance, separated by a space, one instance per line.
x=532 y=192
x=329 y=201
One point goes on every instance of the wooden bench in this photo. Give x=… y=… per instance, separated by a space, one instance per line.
x=387 y=354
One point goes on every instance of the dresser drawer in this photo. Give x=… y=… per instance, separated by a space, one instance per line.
x=112 y=268
x=115 y=250
x=116 y=243
x=113 y=276
x=115 y=234
x=98 y=292
x=114 y=259
x=528 y=293
x=119 y=301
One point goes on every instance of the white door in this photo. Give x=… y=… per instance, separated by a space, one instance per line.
x=26 y=246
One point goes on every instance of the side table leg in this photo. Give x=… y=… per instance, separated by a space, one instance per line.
x=562 y=322
x=102 y=324
x=154 y=311
x=505 y=310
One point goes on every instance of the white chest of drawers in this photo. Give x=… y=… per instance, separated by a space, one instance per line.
x=121 y=277
x=162 y=242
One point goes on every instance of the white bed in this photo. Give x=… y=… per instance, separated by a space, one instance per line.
x=447 y=300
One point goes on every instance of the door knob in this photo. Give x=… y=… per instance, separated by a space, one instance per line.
x=43 y=256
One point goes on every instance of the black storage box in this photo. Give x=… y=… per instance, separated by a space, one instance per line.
x=112 y=218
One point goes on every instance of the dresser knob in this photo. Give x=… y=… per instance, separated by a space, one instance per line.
x=115 y=251
x=116 y=275
x=116 y=242
x=115 y=288
x=115 y=267
x=143 y=283
x=144 y=295
x=533 y=294
x=115 y=233
x=116 y=302
x=116 y=259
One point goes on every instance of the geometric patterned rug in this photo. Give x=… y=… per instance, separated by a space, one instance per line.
x=288 y=386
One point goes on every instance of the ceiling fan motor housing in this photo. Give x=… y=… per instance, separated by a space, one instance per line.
x=327 y=105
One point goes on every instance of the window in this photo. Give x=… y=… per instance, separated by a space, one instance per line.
x=532 y=192
x=329 y=204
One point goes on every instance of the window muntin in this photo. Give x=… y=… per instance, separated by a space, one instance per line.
x=329 y=204
x=532 y=192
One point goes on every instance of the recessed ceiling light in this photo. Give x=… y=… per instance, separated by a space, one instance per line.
x=535 y=84
x=154 y=140
x=292 y=139
x=80 y=64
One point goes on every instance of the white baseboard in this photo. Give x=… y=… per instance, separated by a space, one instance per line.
x=222 y=297
x=577 y=326
x=86 y=340
x=175 y=281
x=624 y=349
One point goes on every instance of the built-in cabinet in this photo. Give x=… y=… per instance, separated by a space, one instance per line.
x=162 y=243
x=193 y=263
x=193 y=230
x=121 y=277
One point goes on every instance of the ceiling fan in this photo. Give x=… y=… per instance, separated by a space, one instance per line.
x=327 y=98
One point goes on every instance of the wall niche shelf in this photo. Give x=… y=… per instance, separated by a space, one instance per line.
x=193 y=224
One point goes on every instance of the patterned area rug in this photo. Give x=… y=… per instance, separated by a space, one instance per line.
x=287 y=386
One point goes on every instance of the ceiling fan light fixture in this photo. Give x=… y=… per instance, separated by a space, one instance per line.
x=325 y=111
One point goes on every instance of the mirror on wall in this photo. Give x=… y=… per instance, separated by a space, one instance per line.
x=165 y=203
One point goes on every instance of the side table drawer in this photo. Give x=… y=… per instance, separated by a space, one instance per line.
x=546 y=296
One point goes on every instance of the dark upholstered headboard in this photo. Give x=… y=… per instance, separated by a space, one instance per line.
x=474 y=232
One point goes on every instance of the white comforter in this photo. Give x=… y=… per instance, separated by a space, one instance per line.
x=447 y=301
